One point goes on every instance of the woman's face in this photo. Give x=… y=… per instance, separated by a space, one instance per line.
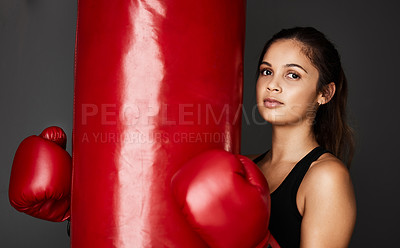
x=286 y=85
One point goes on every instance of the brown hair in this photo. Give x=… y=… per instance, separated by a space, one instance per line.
x=330 y=125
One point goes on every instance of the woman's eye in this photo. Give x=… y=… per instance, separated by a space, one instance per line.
x=293 y=75
x=265 y=72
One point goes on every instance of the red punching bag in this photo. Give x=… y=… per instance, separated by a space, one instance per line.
x=156 y=83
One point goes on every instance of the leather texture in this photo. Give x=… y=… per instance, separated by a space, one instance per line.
x=156 y=83
x=40 y=181
x=225 y=198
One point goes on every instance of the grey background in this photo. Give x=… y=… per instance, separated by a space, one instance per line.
x=36 y=76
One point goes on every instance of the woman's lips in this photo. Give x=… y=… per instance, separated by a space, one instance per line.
x=272 y=103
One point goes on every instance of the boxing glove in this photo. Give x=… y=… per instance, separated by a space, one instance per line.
x=225 y=198
x=40 y=181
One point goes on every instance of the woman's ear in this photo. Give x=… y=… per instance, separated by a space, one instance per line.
x=327 y=93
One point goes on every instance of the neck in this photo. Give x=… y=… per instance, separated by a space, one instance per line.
x=291 y=142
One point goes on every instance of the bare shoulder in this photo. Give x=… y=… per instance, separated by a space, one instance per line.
x=328 y=167
x=328 y=204
x=328 y=176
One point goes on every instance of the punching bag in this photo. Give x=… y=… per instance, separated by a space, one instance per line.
x=156 y=83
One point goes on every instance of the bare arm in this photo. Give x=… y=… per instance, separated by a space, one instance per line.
x=329 y=212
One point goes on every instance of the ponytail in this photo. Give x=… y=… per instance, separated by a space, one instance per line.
x=330 y=126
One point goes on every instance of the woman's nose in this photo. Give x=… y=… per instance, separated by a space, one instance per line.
x=274 y=85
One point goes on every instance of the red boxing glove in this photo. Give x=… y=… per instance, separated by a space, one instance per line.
x=40 y=182
x=225 y=198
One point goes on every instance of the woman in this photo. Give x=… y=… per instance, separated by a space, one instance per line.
x=302 y=92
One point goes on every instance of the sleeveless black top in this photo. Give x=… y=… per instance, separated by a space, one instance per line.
x=285 y=220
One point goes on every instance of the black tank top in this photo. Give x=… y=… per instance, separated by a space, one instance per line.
x=285 y=220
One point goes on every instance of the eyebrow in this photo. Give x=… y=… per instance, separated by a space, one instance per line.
x=296 y=65
x=265 y=63
x=287 y=65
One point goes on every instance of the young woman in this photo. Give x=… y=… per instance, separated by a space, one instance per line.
x=302 y=92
